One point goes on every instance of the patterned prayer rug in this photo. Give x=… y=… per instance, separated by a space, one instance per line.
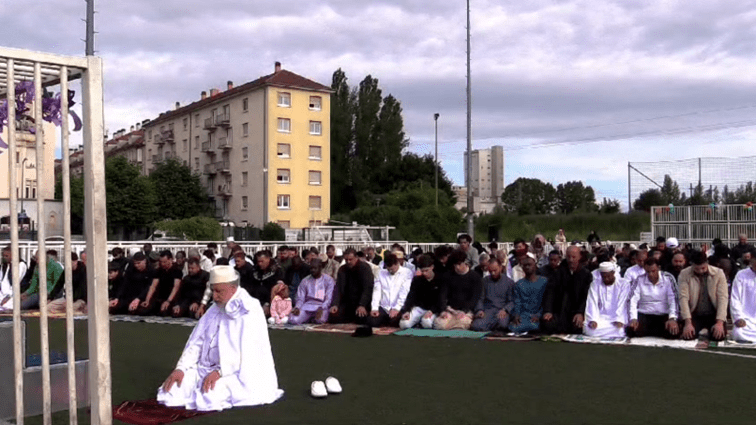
x=348 y=328
x=454 y=333
x=593 y=340
x=150 y=412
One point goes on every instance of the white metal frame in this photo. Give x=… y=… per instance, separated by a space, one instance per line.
x=700 y=224
x=50 y=70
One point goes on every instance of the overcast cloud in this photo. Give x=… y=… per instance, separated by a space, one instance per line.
x=638 y=80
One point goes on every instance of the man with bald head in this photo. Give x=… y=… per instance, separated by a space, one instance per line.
x=741 y=247
x=565 y=296
x=314 y=296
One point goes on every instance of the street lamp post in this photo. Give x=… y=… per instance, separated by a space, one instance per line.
x=435 y=118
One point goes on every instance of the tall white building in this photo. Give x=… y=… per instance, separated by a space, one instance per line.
x=487 y=179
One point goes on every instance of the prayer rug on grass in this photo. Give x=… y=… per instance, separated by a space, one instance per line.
x=594 y=340
x=662 y=342
x=150 y=412
x=509 y=336
x=348 y=328
x=731 y=343
x=181 y=321
x=290 y=327
x=37 y=314
x=453 y=333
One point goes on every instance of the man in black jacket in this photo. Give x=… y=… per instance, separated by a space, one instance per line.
x=193 y=287
x=565 y=296
x=79 y=285
x=264 y=277
x=423 y=301
x=354 y=290
x=136 y=283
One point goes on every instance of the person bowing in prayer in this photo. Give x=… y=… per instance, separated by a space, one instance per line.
x=227 y=361
x=606 y=307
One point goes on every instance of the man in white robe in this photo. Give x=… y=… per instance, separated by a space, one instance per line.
x=227 y=361
x=606 y=306
x=6 y=279
x=743 y=304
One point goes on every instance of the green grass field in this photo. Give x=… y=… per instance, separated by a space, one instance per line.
x=397 y=380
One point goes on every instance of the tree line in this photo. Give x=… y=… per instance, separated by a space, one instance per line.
x=526 y=196
x=670 y=193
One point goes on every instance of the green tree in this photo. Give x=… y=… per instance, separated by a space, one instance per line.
x=609 y=206
x=648 y=199
x=529 y=196
x=670 y=191
x=77 y=202
x=180 y=192
x=194 y=228
x=273 y=232
x=366 y=151
x=573 y=196
x=131 y=197
x=342 y=146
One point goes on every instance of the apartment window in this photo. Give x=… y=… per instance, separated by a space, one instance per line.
x=170 y=127
x=196 y=163
x=245 y=203
x=284 y=125
x=284 y=202
x=284 y=99
x=186 y=145
x=315 y=103
x=149 y=134
x=284 y=150
x=283 y=175
x=284 y=223
x=196 y=142
x=18 y=156
x=316 y=128
x=244 y=179
x=245 y=152
x=186 y=123
x=196 y=120
x=315 y=152
x=314 y=223
x=245 y=129
x=245 y=104
x=314 y=202
x=314 y=177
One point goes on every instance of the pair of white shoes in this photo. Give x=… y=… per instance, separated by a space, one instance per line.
x=320 y=389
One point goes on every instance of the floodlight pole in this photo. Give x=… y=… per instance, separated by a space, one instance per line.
x=435 y=118
x=89 y=49
x=470 y=207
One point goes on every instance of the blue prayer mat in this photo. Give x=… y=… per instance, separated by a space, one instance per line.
x=453 y=333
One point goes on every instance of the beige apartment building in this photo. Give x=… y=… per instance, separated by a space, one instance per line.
x=263 y=149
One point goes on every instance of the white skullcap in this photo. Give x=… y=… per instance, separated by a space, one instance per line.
x=230 y=239
x=606 y=267
x=531 y=255
x=672 y=243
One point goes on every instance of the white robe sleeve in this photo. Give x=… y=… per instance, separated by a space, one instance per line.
x=403 y=290
x=622 y=295
x=592 y=313
x=634 y=300
x=672 y=300
x=376 y=301
x=737 y=296
x=193 y=349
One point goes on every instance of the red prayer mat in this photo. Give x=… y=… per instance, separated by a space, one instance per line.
x=150 y=412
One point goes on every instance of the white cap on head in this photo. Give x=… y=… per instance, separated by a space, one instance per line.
x=606 y=267
x=531 y=255
x=224 y=274
x=672 y=243
x=230 y=239
x=633 y=246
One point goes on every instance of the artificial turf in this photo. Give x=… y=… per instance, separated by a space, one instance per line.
x=395 y=380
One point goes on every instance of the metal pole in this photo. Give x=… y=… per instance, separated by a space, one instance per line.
x=89 y=50
x=629 y=200
x=18 y=349
x=435 y=118
x=97 y=246
x=470 y=206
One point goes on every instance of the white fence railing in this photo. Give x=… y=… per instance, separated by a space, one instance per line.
x=700 y=224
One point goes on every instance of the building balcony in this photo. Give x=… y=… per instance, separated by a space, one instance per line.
x=167 y=136
x=224 y=190
x=158 y=139
x=223 y=120
x=225 y=142
x=210 y=124
x=210 y=169
x=157 y=158
x=223 y=166
x=169 y=155
x=207 y=146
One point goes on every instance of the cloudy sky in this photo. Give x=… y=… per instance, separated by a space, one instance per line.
x=573 y=90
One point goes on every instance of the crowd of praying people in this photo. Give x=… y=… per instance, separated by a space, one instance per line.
x=547 y=287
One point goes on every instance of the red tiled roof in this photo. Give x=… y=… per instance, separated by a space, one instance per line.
x=282 y=78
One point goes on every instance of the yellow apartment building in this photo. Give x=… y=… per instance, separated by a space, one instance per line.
x=263 y=149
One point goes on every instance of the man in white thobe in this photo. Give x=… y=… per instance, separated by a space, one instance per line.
x=6 y=278
x=227 y=361
x=606 y=306
x=389 y=293
x=743 y=304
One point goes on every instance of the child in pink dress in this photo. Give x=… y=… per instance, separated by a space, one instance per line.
x=280 y=304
